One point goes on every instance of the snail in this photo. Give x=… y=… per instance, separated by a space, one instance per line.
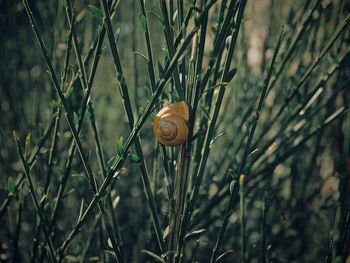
x=170 y=125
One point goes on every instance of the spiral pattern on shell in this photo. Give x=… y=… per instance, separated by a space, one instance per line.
x=167 y=129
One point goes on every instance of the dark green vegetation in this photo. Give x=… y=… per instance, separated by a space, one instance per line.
x=264 y=175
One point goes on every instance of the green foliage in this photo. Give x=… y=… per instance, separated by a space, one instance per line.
x=11 y=186
x=263 y=175
x=96 y=11
x=143 y=22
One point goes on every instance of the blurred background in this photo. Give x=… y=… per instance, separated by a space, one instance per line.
x=300 y=170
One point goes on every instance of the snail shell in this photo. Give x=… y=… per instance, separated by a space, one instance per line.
x=170 y=126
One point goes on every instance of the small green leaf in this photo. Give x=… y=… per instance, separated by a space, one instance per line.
x=223 y=84
x=96 y=11
x=88 y=156
x=205 y=112
x=166 y=232
x=153 y=255
x=223 y=255
x=69 y=93
x=121 y=79
x=44 y=151
x=120 y=147
x=216 y=137
x=160 y=70
x=75 y=118
x=87 y=115
x=111 y=161
x=43 y=199
x=81 y=246
x=117 y=33
x=165 y=254
x=233 y=186
x=110 y=253
x=81 y=208
x=334 y=58
x=143 y=22
x=141 y=55
x=148 y=92
x=152 y=116
x=11 y=185
x=134 y=158
x=120 y=150
x=99 y=29
x=28 y=138
x=41 y=129
x=116 y=201
x=195 y=233
x=175 y=98
x=79 y=177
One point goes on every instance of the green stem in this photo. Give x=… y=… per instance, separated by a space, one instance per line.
x=130 y=117
x=264 y=230
x=38 y=208
x=214 y=116
x=168 y=33
x=242 y=219
x=114 y=171
x=68 y=115
x=31 y=162
x=246 y=151
x=103 y=170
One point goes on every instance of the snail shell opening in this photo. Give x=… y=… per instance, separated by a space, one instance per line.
x=167 y=129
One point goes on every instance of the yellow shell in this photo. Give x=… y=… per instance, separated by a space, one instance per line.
x=170 y=126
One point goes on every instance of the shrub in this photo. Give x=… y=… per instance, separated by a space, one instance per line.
x=263 y=175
